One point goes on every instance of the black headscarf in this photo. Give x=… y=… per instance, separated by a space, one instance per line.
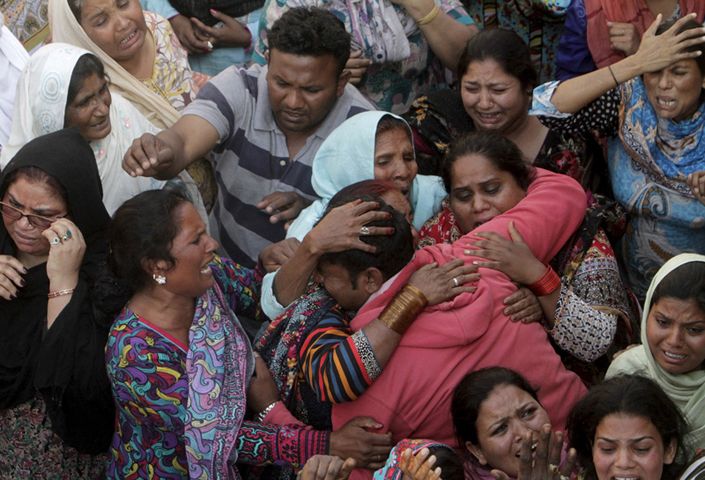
x=65 y=363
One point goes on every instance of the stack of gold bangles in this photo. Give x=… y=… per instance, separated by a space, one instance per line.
x=401 y=312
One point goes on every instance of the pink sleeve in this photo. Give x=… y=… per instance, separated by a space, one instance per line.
x=281 y=416
x=552 y=211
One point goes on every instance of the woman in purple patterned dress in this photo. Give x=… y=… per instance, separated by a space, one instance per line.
x=178 y=360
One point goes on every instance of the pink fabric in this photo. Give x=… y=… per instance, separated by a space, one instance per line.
x=412 y=396
x=636 y=12
x=280 y=415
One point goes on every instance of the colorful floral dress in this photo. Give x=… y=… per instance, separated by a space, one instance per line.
x=160 y=386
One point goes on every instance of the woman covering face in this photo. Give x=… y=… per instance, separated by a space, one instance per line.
x=673 y=348
x=55 y=395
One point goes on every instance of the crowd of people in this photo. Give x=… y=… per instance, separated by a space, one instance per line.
x=390 y=239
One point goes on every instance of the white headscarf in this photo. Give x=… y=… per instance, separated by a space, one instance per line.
x=347 y=156
x=42 y=94
x=687 y=390
x=13 y=58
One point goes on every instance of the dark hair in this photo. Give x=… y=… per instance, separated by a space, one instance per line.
x=364 y=188
x=698 y=47
x=506 y=48
x=38 y=176
x=473 y=390
x=389 y=123
x=628 y=395
x=76 y=6
x=450 y=463
x=144 y=227
x=393 y=251
x=86 y=66
x=311 y=31
x=686 y=282
x=499 y=150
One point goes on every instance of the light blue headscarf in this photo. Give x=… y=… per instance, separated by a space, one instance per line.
x=347 y=157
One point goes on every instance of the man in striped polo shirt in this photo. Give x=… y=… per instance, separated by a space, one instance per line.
x=263 y=127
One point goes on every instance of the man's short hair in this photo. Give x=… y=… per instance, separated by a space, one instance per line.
x=394 y=251
x=311 y=31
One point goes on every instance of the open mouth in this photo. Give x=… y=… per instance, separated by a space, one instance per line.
x=665 y=103
x=128 y=38
x=673 y=356
x=533 y=449
x=101 y=124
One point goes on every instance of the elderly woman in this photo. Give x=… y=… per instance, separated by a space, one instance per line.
x=143 y=58
x=55 y=397
x=66 y=86
x=650 y=106
x=401 y=49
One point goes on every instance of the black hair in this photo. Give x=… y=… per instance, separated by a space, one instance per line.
x=448 y=460
x=631 y=395
x=38 y=176
x=76 y=6
x=389 y=123
x=499 y=150
x=363 y=188
x=473 y=390
x=686 y=282
x=506 y=48
x=311 y=31
x=143 y=228
x=393 y=251
x=698 y=47
x=86 y=66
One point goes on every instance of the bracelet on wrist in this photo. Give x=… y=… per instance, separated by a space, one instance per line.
x=548 y=283
x=429 y=17
x=260 y=416
x=60 y=293
x=401 y=312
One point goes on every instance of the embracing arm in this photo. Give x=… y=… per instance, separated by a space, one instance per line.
x=339 y=365
x=165 y=155
x=445 y=35
x=284 y=445
x=654 y=54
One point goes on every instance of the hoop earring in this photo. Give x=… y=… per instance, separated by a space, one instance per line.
x=161 y=280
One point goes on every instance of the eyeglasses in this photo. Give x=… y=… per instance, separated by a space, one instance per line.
x=16 y=214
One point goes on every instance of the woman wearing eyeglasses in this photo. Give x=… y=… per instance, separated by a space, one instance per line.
x=56 y=414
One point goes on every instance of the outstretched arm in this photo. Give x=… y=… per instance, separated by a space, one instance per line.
x=654 y=54
x=165 y=155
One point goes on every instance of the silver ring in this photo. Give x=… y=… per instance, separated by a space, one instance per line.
x=553 y=467
x=64 y=238
x=209 y=45
x=455 y=280
x=364 y=231
x=563 y=477
x=55 y=241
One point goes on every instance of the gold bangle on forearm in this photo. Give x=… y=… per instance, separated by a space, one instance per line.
x=428 y=18
x=401 y=312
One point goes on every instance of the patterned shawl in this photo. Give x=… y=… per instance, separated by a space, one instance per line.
x=667 y=150
x=218 y=373
x=391 y=470
x=280 y=345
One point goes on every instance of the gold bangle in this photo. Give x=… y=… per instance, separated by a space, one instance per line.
x=401 y=312
x=60 y=293
x=429 y=17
